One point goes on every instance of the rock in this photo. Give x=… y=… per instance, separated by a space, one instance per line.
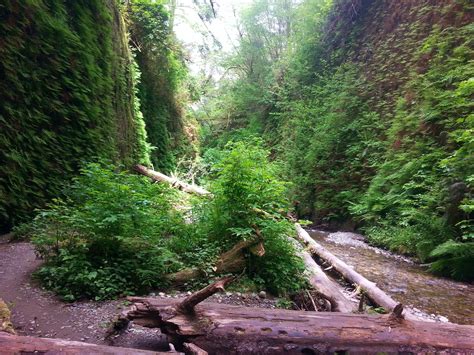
x=443 y=319
x=162 y=294
x=152 y=294
x=398 y=290
x=262 y=294
x=228 y=294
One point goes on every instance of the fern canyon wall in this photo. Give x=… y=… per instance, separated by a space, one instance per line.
x=367 y=105
x=70 y=93
x=378 y=127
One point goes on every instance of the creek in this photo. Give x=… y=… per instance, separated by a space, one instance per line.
x=402 y=278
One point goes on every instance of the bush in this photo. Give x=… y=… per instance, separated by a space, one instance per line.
x=107 y=236
x=115 y=234
x=454 y=259
x=248 y=197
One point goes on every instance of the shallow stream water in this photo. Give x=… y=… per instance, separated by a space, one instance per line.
x=407 y=282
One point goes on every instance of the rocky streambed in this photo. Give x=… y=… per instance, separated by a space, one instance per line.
x=432 y=298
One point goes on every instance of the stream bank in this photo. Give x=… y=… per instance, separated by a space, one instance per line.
x=431 y=297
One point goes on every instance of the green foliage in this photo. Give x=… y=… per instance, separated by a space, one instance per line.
x=107 y=237
x=159 y=59
x=330 y=152
x=373 y=116
x=454 y=259
x=65 y=94
x=115 y=234
x=249 y=200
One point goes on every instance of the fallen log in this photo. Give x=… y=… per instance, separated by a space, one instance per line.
x=13 y=344
x=369 y=288
x=229 y=262
x=226 y=329
x=324 y=286
x=159 y=177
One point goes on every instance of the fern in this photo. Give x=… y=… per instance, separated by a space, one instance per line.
x=454 y=259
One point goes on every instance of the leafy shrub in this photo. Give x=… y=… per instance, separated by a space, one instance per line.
x=454 y=259
x=107 y=237
x=248 y=197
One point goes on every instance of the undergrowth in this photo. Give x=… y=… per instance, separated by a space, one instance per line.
x=114 y=233
x=107 y=236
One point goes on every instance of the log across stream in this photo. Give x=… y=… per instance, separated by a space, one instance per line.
x=429 y=296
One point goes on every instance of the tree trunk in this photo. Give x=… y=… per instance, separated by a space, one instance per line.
x=156 y=176
x=370 y=288
x=229 y=262
x=326 y=287
x=225 y=329
x=188 y=304
x=13 y=344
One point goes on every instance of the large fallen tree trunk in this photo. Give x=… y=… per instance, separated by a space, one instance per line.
x=370 y=288
x=324 y=286
x=13 y=344
x=225 y=329
x=159 y=177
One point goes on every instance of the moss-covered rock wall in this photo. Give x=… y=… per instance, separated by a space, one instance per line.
x=66 y=96
x=379 y=131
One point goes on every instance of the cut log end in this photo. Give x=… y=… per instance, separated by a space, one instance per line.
x=397 y=311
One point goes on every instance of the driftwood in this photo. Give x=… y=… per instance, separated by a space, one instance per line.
x=226 y=329
x=188 y=304
x=229 y=262
x=13 y=344
x=369 y=288
x=159 y=177
x=192 y=349
x=326 y=288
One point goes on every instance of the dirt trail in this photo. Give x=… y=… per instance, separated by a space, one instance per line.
x=36 y=312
